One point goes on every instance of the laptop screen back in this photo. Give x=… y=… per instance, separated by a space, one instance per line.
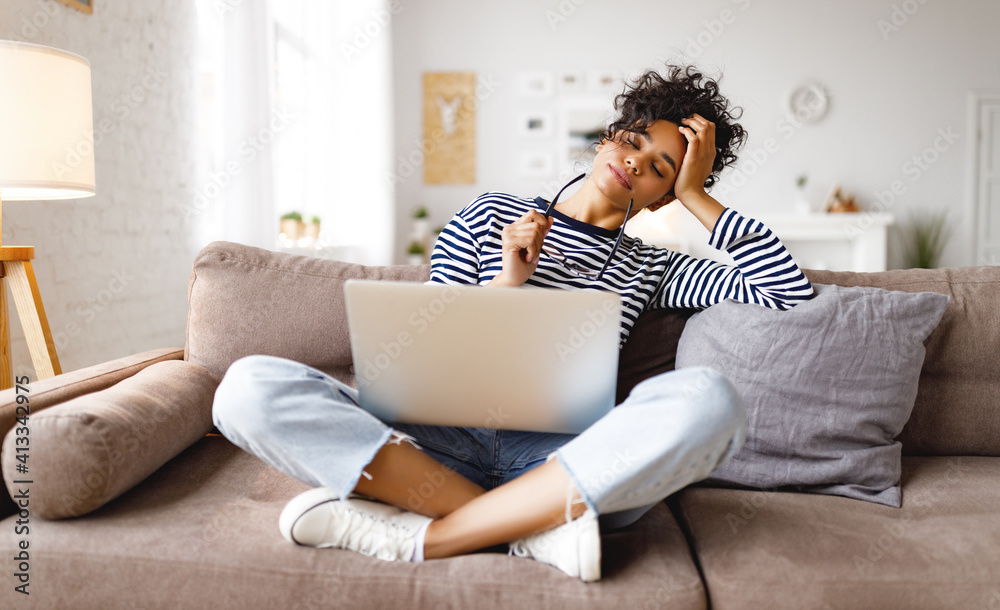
x=514 y=358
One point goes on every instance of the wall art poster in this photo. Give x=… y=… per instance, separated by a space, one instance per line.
x=449 y=143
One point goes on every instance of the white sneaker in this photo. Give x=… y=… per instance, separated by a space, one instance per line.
x=573 y=547
x=317 y=518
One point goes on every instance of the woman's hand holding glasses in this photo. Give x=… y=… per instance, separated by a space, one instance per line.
x=522 y=245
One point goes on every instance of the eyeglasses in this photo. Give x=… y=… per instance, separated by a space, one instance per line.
x=564 y=261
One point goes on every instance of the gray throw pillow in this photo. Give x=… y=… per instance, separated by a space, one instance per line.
x=827 y=386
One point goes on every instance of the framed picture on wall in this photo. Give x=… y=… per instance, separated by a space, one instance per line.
x=87 y=6
x=604 y=81
x=570 y=81
x=535 y=84
x=536 y=124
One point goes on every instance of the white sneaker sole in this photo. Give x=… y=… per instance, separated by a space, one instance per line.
x=590 y=553
x=300 y=516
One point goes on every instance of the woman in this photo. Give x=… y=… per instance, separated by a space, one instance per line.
x=547 y=495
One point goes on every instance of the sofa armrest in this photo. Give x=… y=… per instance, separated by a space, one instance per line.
x=45 y=393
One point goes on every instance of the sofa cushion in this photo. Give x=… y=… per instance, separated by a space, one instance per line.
x=43 y=393
x=244 y=300
x=762 y=549
x=89 y=450
x=957 y=409
x=203 y=532
x=827 y=385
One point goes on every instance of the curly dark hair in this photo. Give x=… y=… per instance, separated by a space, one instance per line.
x=682 y=92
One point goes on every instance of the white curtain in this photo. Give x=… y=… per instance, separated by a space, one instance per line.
x=247 y=114
x=302 y=112
x=364 y=144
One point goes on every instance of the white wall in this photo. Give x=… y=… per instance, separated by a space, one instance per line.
x=113 y=269
x=891 y=89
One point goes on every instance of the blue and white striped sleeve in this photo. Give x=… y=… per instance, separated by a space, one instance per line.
x=764 y=273
x=455 y=258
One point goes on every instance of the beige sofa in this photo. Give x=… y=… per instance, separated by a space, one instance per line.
x=173 y=516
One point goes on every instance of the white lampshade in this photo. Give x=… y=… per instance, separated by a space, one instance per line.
x=46 y=124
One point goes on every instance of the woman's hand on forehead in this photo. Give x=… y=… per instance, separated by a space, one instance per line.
x=699 y=157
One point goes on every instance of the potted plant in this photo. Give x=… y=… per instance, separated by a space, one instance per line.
x=312 y=229
x=421 y=224
x=415 y=253
x=801 y=202
x=924 y=239
x=292 y=226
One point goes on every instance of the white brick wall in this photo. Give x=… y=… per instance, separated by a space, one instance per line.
x=113 y=269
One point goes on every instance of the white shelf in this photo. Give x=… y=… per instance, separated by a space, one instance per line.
x=840 y=241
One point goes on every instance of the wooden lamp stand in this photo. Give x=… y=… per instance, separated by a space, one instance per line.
x=15 y=267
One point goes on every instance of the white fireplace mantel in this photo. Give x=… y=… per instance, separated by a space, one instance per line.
x=839 y=241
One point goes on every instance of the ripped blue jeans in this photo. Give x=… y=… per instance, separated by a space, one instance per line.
x=673 y=429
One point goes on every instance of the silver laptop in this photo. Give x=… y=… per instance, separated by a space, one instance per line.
x=513 y=358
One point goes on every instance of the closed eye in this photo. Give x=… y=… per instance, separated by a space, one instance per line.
x=631 y=142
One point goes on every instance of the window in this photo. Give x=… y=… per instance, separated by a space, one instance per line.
x=278 y=108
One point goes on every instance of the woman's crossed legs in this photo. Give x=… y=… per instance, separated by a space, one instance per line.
x=482 y=487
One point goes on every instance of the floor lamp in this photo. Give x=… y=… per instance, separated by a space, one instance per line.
x=46 y=152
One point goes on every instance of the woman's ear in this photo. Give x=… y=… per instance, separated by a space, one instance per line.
x=662 y=201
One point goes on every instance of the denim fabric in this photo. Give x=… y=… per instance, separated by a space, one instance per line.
x=672 y=430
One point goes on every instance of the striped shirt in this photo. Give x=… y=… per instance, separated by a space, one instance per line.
x=469 y=251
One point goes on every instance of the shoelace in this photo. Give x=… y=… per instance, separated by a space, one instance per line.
x=364 y=531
